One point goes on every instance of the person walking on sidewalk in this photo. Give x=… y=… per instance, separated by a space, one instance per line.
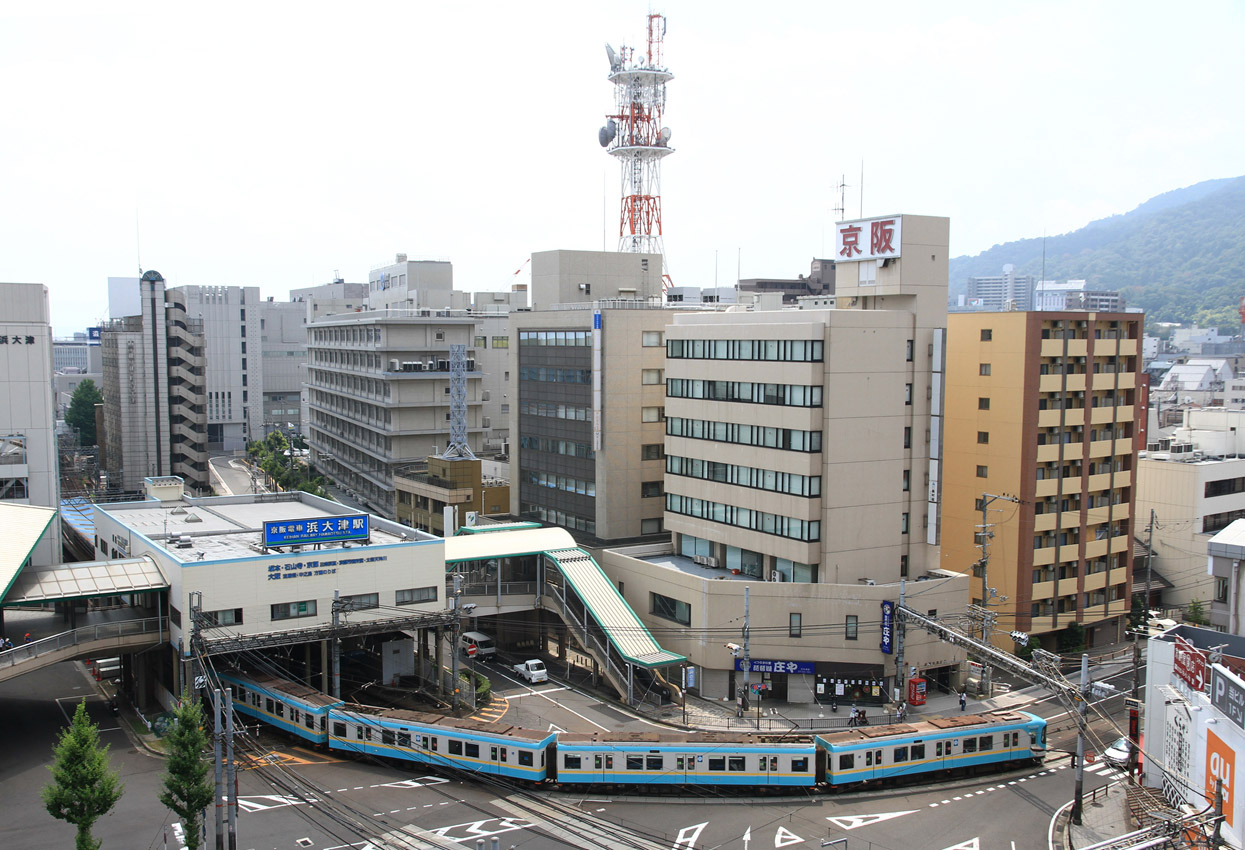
x=963 y=699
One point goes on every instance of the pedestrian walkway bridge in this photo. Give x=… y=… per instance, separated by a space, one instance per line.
x=97 y=641
x=567 y=581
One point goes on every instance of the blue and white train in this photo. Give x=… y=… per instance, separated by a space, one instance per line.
x=936 y=746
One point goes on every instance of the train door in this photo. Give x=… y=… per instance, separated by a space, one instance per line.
x=685 y=767
x=603 y=764
x=767 y=770
x=873 y=762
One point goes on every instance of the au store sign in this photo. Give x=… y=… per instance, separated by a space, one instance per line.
x=762 y=665
x=1221 y=770
x=331 y=529
x=1227 y=695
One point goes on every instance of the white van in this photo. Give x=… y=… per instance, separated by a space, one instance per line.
x=484 y=646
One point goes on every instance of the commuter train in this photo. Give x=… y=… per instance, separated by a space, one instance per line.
x=835 y=760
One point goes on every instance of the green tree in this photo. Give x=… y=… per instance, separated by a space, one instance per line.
x=1072 y=639
x=1195 y=613
x=187 y=788
x=83 y=787
x=81 y=413
x=1137 y=615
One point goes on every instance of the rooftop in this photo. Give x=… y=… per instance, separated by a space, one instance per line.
x=227 y=527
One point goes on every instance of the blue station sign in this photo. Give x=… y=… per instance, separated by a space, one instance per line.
x=329 y=529
x=764 y=665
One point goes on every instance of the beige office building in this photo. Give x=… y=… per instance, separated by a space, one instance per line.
x=1042 y=409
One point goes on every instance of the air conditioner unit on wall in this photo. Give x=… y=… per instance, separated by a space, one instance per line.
x=774 y=575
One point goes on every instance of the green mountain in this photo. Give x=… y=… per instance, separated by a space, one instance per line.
x=1180 y=256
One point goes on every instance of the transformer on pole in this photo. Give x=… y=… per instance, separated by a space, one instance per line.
x=633 y=133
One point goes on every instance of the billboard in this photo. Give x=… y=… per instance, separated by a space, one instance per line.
x=1220 y=767
x=1190 y=664
x=329 y=529
x=868 y=239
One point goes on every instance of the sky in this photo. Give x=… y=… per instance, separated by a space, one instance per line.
x=281 y=144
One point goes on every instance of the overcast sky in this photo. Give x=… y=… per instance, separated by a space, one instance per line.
x=273 y=144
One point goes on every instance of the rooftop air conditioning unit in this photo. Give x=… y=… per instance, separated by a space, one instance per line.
x=394 y=365
x=711 y=562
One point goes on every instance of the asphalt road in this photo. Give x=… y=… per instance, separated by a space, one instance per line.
x=300 y=798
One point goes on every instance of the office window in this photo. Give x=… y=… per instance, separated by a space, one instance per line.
x=651 y=489
x=651 y=526
x=983 y=437
x=501 y=342
x=903 y=523
x=851 y=629
x=983 y=403
x=983 y=471
x=670 y=609
x=909 y=351
x=907 y=475
x=229 y=617
x=650 y=376
x=361 y=601
x=907 y=393
x=987 y=334
x=907 y=436
x=481 y=342
x=795 y=624
x=652 y=451
x=653 y=339
x=290 y=610
x=652 y=414
x=983 y=369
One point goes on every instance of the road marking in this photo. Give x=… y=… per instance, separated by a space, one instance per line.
x=944 y=802
x=688 y=835
x=784 y=837
x=855 y=821
x=933 y=805
x=970 y=844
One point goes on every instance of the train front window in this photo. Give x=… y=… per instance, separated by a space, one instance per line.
x=525 y=758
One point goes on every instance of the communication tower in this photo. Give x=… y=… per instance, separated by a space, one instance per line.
x=634 y=134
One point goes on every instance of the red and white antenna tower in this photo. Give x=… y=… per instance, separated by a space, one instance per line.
x=634 y=134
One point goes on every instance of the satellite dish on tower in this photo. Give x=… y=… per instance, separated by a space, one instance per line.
x=607 y=133
x=613 y=57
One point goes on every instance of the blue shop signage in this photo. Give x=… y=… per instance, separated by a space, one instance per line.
x=762 y=665
x=330 y=529
x=888 y=626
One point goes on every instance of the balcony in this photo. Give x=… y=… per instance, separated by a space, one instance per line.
x=1050 y=383
x=1096 y=516
x=1046 y=487
x=1128 y=347
x=1078 y=347
x=1127 y=381
x=1076 y=383
x=1095 y=549
x=1043 y=590
x=1102 y=448
x=1096 y=581
x=1048 y=453
x=1044 y=522
x=1124 y=413
x=1044 y=557
x=1103 y=415
x=1119 y=544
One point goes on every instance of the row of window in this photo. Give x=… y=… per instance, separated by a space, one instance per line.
x=556 y=338
x=403 y=738
x=788 y=395
x=916 y=752
x=308 y=608
x=745 y=476
x=530 y=510
x=766 y=523
x=785 y=350
x=799 y=764
x=557 y=447
x=498 y=342
x=565 y=483
x=574 y=412
x=789 y=439
x=550 y=374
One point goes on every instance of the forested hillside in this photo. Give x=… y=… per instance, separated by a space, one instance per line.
x=1180 y=256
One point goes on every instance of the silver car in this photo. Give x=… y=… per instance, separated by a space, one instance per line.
x=1116 y=755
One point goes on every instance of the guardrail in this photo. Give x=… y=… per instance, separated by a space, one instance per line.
x=20 y=653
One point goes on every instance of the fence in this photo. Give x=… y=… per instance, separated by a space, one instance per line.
x=154 y=626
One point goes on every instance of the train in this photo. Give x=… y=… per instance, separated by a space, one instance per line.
x=837 y=760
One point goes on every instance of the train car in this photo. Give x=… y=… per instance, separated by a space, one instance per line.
x=700 y=758
x=904 y=750
x=295 y=708
x=497 y=749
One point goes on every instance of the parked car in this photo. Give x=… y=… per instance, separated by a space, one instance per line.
x=533 y=670
x=484 y=646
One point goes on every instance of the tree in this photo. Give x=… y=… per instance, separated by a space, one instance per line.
x=81 y=413
x=83 y=788
x=1137 y=615
x=1072 y=638
x=1195 y=613
x=187 y=789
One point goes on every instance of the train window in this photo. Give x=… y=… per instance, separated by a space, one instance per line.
x=268 y=705
x=295 y=715
x=404 y=740
x=635 y=762
x=717 y=763
x=762 y=762
x=311 y=721
x=596 y=761
x=281 y=710
x=387 y=737
x=899 y=754
x=985 y=742
x=571 y=762
x=609 y=762
x=918 y=752
x=773 y=762
x=339 y=729
x=503 y=754
x=869 y=759
x=678 y=763
x=800 y=765
x=431 y=743
x=1015 y=739
x=359 y=732
x=735 y=762
x=456 y=747
x=654 y=763
x=847 y=761
x=542 y=758
x=970 y=745
x=473 y=751
x=241 y=692
x=525 y=758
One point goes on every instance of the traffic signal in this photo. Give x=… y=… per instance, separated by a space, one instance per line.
x=1021 y=638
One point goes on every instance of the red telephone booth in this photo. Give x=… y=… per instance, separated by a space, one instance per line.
x=916 y=691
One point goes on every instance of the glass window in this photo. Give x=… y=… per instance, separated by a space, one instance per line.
x=847 y=761
x=635 y=762
x=983 y=369
x=795 y=624
x=652 y=451
x=851 y=630
x=571 y=762
x=361 y=601
x=652 y=339
x=735 y=762
x=983 y=403
x=416 y=594
x=670 y=609
x=717 y=763
x=987 y=334
x=501 y=342
x=650 y=376
x=290 y=610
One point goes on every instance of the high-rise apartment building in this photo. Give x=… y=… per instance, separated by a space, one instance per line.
x=1042 y=417
x=29 y=468
x=155 y=402
x=282 y=358
x=378 y=394
x=233 y=349
x=1006 y=291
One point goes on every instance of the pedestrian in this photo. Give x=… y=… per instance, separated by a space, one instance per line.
x=29 y=639
x=963 y=699
x=901 y=712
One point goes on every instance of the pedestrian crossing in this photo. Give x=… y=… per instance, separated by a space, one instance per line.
x=494 y=711
x=1100 y=769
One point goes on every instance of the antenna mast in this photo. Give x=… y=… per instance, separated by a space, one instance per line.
x=634 y=135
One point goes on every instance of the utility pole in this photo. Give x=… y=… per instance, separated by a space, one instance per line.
x=1149 y=569
x=747 y=665
x=458 y=591
x=1080 y=741
x=217 y=728
x=231 y=774
x=337 y=646
x=901 y=676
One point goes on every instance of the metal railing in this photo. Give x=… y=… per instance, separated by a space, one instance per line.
x=155 y=626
